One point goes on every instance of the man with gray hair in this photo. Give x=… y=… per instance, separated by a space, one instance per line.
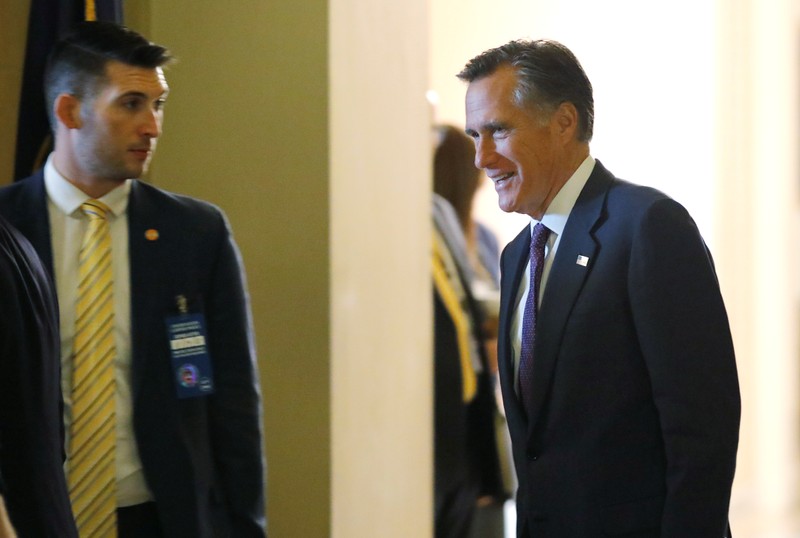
x=615 y=355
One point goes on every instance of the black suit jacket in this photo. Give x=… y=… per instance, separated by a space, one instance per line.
x=634 y=423
x=31 y=427
x=202 y=457
x=466 y=464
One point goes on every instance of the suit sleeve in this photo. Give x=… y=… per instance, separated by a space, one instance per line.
x=31 y=426
x=235 y=407
x=685 y=338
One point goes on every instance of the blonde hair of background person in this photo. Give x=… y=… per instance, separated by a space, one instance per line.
x=456 y=179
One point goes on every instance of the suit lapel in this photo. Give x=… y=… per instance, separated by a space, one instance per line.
x=143 y=275
x=565 y=282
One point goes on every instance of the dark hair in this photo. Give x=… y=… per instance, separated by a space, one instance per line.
x=455 y=177
x=77 y=63
x=548 y=74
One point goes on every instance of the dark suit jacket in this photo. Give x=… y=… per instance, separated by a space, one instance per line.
x=634 y=423
x=466 y=464
x=202 y=457
x=31 y=427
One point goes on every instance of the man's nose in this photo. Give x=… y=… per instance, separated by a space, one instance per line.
x=151 y=127
x=484 y=153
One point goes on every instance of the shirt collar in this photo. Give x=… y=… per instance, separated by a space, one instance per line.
x=555 y=218
x=68 y=198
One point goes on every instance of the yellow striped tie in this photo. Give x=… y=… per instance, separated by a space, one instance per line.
x=451 y=302
x=91 y=464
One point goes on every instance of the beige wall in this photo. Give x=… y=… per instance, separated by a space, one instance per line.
x=13 y=30
x=246 y=128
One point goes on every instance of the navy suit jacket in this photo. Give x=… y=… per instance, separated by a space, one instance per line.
x=31 y=427
x=466 y=464
x=202 y=457
x=633 y=428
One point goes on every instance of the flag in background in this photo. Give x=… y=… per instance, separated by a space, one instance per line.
x=49 y=20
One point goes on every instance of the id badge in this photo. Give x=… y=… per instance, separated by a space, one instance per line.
x=191 y=363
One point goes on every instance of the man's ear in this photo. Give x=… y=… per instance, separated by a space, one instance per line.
x=68 y=110
x=567 y=121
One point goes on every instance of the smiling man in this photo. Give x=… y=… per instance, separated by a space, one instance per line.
x=615 y=355
x=162 y=403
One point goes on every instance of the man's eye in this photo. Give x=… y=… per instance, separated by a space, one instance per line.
x=131 y=104
x=159 y=104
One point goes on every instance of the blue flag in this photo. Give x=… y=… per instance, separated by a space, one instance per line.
x=49 y=21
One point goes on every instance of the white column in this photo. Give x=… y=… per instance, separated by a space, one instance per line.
x=381 y=370
x=774 y=211
x=757 y=193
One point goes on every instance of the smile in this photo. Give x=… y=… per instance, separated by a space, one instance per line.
x=499 y=181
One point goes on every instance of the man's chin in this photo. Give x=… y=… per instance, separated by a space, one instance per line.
x=137 y=169
x=135 y=172
x=506 y=207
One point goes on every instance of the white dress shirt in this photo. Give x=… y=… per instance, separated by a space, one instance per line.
x=67 y=227
x=555 y=218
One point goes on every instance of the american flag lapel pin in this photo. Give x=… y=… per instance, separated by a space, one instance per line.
x=582 y=260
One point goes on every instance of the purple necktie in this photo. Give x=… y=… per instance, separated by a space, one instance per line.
x=538 y=241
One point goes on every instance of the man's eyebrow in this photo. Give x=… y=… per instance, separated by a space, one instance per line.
x=495 y=125
x=132 y=93
x=143 y=95
x=491 y=126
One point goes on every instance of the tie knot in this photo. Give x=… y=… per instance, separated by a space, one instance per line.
x=539 y=237
x=95 y=209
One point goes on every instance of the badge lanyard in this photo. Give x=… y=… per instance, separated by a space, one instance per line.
x=191 y=362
